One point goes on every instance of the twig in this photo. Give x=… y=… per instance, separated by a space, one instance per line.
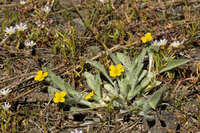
x=9 y=5
x=36 y=125
x=113 y=49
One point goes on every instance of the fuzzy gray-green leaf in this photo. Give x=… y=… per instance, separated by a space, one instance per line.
x=146 y=108
x=114 y=59
x=156 y=97
x=52 y=91
x=141 y=56
x=93 y=83
x=150 y=53
x=173 y=64
x=124 y=87
x=101 y=69
x=133 y=92
x=142 y=75
x=125 y=60
x=139 y=102
x=58 y=82
x=111 y=90
x=152 y=85
x=133 y=80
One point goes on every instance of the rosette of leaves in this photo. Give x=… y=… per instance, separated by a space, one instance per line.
x=130 y=91
x=123 y=89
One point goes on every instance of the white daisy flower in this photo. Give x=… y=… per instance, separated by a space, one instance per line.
x=6 y=106
x=21 y=27
x=10 y=30
x=76 y=131
x=162 y=42
x=155 y=43
x=29 y=44
x=46 y=9
x=175 y=44
x=5 y=91
x=22 y=2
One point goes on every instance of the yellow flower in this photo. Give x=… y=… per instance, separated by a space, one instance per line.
x=89 y=96
x=116 y=70
x=59 y=97
x=148 y=87
x=146 y=38
x=40 y=75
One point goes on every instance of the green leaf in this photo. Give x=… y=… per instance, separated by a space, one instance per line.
x=146 y=109
x=58 y=82
x=51 y=92
x=147 y=80
x=111 y=91
x=136 y=69
x=94 y=83
x=139 y=102
x=114 y=59
x=150 y=54
x=133 y=80
x=173 y=64
x=101 y=69
x=156 y=97
x=133 y=92
x=141 y=56
x=142 y=75
x=124 y=87
x=125 y=60
x=98 y=87
x=153 y=85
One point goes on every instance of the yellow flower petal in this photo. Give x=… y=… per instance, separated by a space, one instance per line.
x=59 y=97
x=144 y=39
x=42 y=78
x=39 y=72
x=112 y=71
x=37 y=77
x=116 y=70
x=57 y=94
x=62 y=100
x=56 y=100
x=40 y=75
x=148 y=36
x=63 y=93
x=113 y=74
x=89 y=96
x=111 y=67
x=45 y=74
x=120 y=68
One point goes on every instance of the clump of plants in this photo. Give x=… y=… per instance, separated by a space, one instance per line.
x=126 y=86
